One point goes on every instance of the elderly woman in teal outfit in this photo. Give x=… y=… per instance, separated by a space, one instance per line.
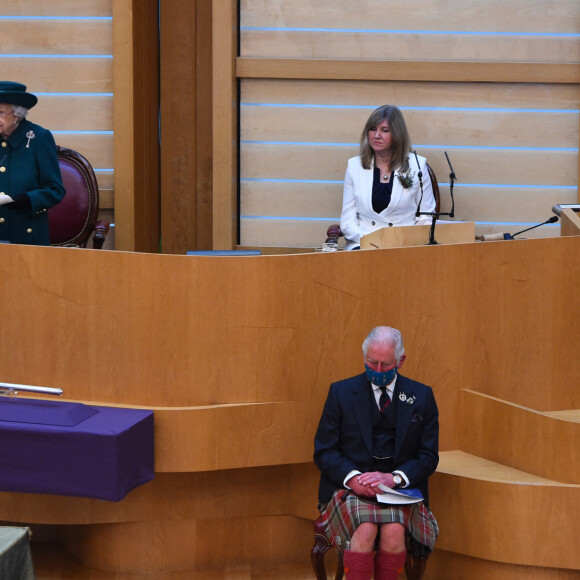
x=30 y=179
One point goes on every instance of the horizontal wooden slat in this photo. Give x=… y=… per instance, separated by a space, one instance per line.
x=106 y=198
x=56 y=36
x=501 y=204
x=435 y=126
x=505 y=72
x=472 y=203
x=407 y=46
x=292 y=233
x=98 y=149
x=62 y=75
x=105 y=179
x=71 y=113
x=410 y=94
x=60 y=8
x=486 y=166
x=452 y=15
x=266 y=198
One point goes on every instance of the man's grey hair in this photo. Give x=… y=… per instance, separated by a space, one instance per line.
x=385 y=335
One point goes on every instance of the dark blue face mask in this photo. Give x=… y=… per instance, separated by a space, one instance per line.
x=380 y=379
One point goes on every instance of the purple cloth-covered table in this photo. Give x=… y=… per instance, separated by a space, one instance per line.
x=74 y=449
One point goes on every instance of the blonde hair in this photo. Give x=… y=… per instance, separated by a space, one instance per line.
x=401 y=141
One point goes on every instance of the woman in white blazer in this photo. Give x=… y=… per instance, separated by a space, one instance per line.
x=381 y=185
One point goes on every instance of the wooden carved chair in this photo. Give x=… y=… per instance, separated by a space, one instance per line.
x=333 y=233
x=74 y=219
x=414 y=565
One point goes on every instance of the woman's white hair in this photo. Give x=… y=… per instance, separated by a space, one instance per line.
x=19 y=112
x=385 y=335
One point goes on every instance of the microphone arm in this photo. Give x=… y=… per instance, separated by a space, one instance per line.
x=452 y=179
x=551 y=220
x=434 y=215
x=492 y=237
x=420 y=176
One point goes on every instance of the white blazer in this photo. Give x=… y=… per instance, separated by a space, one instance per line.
x=358 y=217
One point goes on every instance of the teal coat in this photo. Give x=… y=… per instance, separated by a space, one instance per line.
x=29 y=165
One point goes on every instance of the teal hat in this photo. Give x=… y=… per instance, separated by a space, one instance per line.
x=15 y=94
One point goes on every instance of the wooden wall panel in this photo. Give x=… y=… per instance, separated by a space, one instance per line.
x=384 y=46
x=542 y=31
x=57 y=36
x=499 y=421
x=58 y=8
x=482 y=15
x=186 y=126
x=61 y=75
x=513 y=148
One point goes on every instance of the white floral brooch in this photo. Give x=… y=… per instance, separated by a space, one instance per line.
x=405 y=399
x=406 y=179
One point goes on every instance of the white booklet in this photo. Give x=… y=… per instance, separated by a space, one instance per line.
x=399 y=496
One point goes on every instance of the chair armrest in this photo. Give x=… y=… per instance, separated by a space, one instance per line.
x=101 y=231
x=333 y=233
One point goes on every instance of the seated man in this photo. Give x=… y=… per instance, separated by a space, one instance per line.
x=378 y=427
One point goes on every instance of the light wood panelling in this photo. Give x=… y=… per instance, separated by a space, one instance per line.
x=411 y=46
x=60 y=8
x=492 y=166
x=110 y=312
x=446 y=565
x=61 y=75
x=180 y=496
x=408 y=31
x=473 y=497
x=451 y=15
x=73 y=113
x=410 y=94
x=432 y=124
x=324 y=200
x=55 y=36
x=503 y=139
x=97 y=148
x=446 y=71
x=499 y=421
x=225 y=95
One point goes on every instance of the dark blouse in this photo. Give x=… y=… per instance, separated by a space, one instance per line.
x=381 y=191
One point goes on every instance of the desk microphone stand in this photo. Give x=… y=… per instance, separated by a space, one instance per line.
x=435 y=215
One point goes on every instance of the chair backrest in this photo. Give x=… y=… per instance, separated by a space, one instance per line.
x=436 y=193
x=72 y=221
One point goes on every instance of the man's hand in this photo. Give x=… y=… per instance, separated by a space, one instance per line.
x=367 y=484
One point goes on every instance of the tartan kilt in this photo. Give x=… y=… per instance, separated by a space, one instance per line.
x=346 y=511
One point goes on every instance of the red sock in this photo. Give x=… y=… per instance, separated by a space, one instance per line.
x=358 y=565
x=388 y=566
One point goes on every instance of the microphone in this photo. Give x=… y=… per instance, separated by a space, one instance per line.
x=420 y=176
x=493 y=237
x=551 y=220
x=452 y=179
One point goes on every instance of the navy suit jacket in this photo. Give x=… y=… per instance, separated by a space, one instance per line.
x=343 y=441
